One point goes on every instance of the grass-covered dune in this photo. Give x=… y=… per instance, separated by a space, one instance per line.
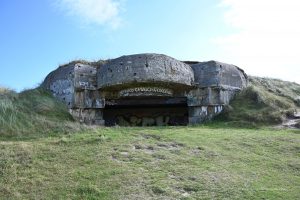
x=264 y=102
x=33 y=112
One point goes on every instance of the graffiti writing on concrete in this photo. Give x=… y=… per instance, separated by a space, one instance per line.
x=83 y=84
x=139 y=91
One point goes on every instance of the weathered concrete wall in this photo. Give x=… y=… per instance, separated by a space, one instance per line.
x=145 y=68
x=88 y=116
x=60 y=83
x=216 y=85
x=210 y=96
x=85 y=82
x=213 y=73
x=199 y=114
x=85 y=77
x=76 y=85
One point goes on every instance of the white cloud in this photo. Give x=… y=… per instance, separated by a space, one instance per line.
x=100 y=12
x=266 y=41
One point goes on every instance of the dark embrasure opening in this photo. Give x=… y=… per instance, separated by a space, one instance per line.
x=146 y=111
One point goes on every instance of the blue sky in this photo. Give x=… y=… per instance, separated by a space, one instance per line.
x=260 y=36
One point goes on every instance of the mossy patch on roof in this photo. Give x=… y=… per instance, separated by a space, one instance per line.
x=96 y=64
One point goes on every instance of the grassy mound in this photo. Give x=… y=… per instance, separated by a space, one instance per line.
x=264 y=101
x=31 y=112
x=153 y=163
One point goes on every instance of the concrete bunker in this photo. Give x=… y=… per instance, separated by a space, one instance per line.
x=145 y=90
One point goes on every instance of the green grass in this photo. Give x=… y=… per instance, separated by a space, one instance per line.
x=33 y=111
x=153 y=163
x=44 y=154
